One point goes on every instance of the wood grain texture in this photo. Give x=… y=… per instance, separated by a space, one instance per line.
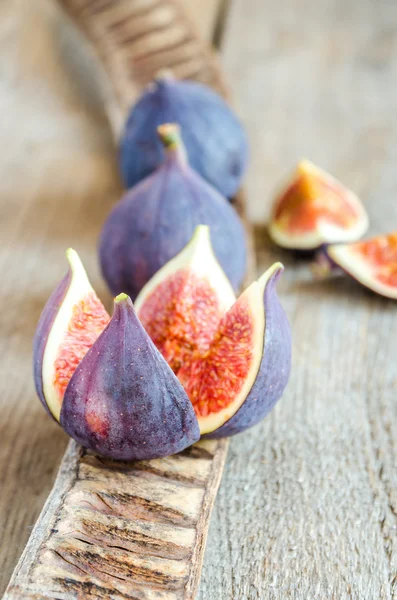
x=206 y=15
x=307 y=508
x=122 y=530
x=135 y=39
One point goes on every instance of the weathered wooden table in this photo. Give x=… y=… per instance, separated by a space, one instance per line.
x=307 y=508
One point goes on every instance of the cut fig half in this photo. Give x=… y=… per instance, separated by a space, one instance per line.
x=315 y=209
x=373 y=263
x=246 y=368
x=72 y=320
x=183 y=303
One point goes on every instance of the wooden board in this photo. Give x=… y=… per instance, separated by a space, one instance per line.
x=128 y=531
x=122 y=530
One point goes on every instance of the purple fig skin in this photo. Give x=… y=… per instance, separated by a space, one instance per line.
x=42 y=332
x=123 y=401
x=157 y=218
x=274 y=369
x=214 y=137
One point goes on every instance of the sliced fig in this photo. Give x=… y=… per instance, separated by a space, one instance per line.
x=155 y=220
x=246 y=368
x=182 y=305
x=314 y=209
x=71 y=321
x=123 y=400
x=232 y=357
x=373 y=263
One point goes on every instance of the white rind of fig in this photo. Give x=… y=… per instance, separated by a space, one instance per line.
x=253 y=297
x=53 y=324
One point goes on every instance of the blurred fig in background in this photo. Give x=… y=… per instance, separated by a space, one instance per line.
x=314 y=209
x=214 y=138
x=157 y=217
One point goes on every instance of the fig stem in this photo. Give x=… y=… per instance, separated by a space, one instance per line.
x=323 y=267
x=120 y=298
x=170 y=136
x=164 y=74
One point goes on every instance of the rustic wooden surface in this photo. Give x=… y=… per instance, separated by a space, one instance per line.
x=308 y=502
x=122 y=530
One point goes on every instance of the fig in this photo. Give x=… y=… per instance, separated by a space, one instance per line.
x=156 y=219
x=117 y=396
x=247 y=367
x=232 y=357
x=214 y=138
x=71 y=321
x=315 y=209
x=373 y=263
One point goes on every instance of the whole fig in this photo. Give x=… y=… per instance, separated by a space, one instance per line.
x=214 y=138
x=156 y=219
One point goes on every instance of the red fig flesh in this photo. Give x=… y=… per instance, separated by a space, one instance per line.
x=182 y=305
x=313 y=209
x=373 y=263
x=245 y=370
x=235 y=365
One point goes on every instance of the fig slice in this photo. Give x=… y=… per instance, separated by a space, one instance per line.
x=314 y=209
x=70 y=323
x=373 y=263
x=183 y=303
x=246 y=368
x=123 y=400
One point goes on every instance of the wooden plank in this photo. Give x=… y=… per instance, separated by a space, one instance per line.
x=307 y=508
x=122 y=530
x=127 y=531
x=136 y=39
x=206 y=15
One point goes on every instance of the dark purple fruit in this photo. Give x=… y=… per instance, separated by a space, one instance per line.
x=105 y=381
x=214 y=138
x=157 y=218
x=123 y=400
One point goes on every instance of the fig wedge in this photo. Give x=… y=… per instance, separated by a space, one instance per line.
x=247 y=366
x=71 y=321
x=315 y=209
x=373 y=263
